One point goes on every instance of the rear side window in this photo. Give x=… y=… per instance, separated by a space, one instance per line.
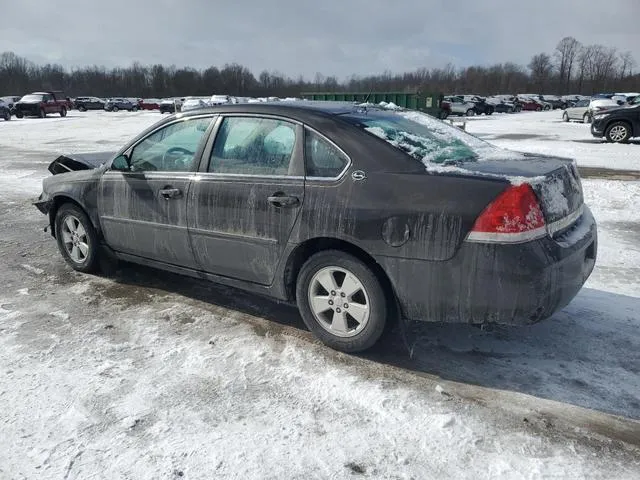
x=253 y=146
x=322 y=159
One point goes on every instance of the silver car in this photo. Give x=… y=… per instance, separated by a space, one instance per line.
x=460 y=107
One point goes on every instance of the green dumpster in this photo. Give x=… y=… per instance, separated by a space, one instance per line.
x=422 y=101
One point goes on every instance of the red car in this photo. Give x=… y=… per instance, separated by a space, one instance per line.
x=149 y=104
x=533 y=105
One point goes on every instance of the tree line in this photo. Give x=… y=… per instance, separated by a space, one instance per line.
x=571 y=68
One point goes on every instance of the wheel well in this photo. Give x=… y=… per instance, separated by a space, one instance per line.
x=57 y=203
x=305 y=250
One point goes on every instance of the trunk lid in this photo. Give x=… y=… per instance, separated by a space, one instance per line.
x=555 y=181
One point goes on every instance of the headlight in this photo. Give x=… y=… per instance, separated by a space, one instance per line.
x=600 y=116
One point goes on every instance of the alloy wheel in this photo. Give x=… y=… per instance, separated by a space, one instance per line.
x=75 y=239
x=618 y=133
x=339 y=301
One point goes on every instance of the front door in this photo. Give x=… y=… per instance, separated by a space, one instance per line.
x=143 y=208
x=246 y=199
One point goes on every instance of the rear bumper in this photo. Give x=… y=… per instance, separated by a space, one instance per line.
x=508 y=284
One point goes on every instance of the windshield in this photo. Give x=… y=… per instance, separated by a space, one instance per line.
x=425 y=138
x=32 y=98
x=635 y=101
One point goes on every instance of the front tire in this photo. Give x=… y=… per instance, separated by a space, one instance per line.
x=565 y=117
x=63 y=112
x=618 y=132
x=586 y=118
x=471 y=112
x=42 y=113
x=114 y=109
x=7 y=116
x=77 y=238
x=19 y=115
x=341 y=301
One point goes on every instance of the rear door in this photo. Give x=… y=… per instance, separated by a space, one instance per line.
x=143 y=210
x=246 y=198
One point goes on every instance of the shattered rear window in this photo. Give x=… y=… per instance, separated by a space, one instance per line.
x=425 y=138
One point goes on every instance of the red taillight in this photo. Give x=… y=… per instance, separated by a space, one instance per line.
x=514 y=217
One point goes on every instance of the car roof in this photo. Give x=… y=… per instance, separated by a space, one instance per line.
x=301 y=108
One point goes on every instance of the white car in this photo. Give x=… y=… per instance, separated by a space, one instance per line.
x=193 y=103
x=580 y=111
x=584 y=110
x=219 y=99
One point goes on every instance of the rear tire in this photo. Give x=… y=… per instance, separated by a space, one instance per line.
x=565 y=117
x=538 y=108
x=134 y=109
x=618 y=132
x=586 y=118
x=77 y=238
x=7 y=116
x=19 y=115
x=114 y=109
x=471 y=112
x=350 y=314
x=63 y=112
x=42 y=113
x=82 y=108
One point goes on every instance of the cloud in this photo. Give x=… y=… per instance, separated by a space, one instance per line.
x=334 y=37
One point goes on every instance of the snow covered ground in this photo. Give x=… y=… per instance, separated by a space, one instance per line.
x=545 y=132
x=147 y=375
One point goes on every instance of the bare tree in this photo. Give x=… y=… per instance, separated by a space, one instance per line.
x=627 y=62
x=566 y=52
x=587 y=69
x=541 y=68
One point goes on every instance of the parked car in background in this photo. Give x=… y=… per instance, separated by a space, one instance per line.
x=624 y=98
x=555 y=101
x=504 y=104
x=481 y=105
x=618 y=124
x=219 y=99
x=149 y=104
x=89 y=103
x=116 y=104
x=10 y=100
x=40 y=104
x=193 y=103
x=5 y=111
x=460 y=107
x=533 y=104
x=579 y=111
x=251 y=217
x=171 y=105
x=599 y=105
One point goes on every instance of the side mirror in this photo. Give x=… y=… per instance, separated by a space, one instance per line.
x=121 y=163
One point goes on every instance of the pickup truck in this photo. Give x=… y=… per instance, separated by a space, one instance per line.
x=39 y=104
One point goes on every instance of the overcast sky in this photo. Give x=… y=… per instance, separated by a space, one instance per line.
x=334 y=37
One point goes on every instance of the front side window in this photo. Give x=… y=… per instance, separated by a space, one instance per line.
x=172 y=148
x=253 y=146
x=322 y=159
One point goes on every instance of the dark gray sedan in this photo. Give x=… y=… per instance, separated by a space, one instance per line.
x=357 y=214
